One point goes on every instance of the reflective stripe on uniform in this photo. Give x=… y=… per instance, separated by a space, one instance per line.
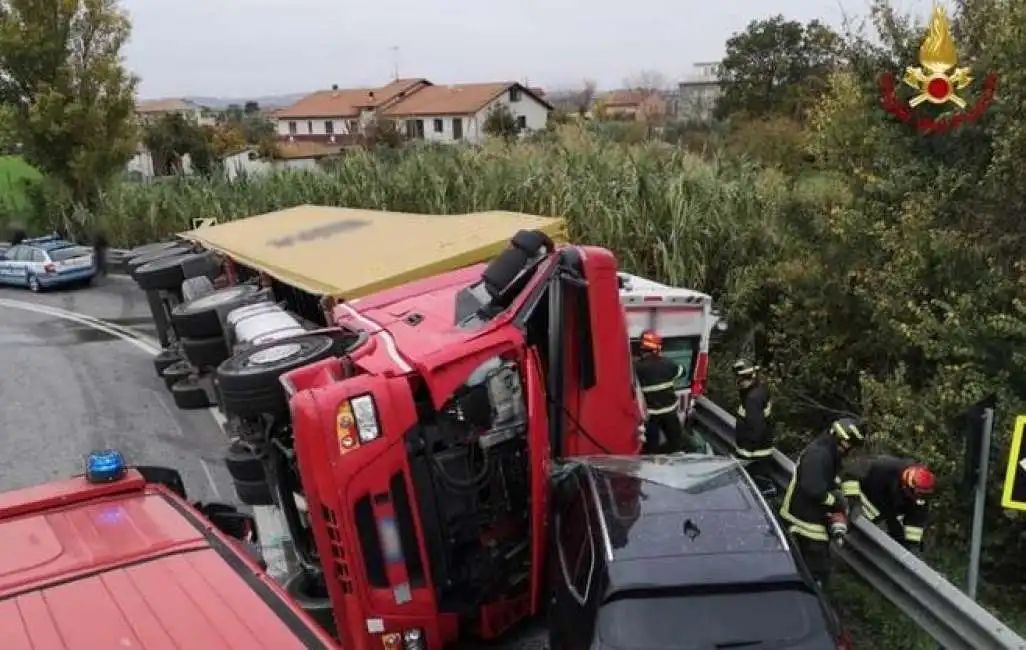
x=654 y=388
x=913 y=534
x=755 y=453
x=799 y=527
x=829 y=499
x=869 y=511
x=663 y=411
x=741 y=412
x=851 y=488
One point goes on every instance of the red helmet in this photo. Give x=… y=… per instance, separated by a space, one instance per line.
x=918 y=479
x=651 y=341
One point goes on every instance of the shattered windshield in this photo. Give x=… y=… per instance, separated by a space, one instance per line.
x=687 y=472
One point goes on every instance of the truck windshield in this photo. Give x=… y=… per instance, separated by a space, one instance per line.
x=779 y=618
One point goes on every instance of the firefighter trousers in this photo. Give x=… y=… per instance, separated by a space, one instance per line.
x=670 y=426
x=816 y=554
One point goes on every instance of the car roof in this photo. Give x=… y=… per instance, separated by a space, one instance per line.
x=130 y=565
x=686 y=519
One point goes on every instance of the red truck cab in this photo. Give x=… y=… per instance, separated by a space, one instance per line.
x=131 y=564
x=424 y=452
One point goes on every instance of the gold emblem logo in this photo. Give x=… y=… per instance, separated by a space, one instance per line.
x=937 y=56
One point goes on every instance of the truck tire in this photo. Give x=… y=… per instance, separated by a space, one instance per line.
x=189 y=395
x=248 y=382
x=200 y=318
x=205 y=353
x=194 y=288
x=308 y=591
x=133 y=263
x=253 y=493
x=244 y=465
x=146 y=249
x=164 y=359
x=176 y=372
x=165 y=273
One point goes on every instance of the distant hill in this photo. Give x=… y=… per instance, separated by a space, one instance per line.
x=269 y=101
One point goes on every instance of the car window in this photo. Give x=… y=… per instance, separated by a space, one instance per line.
x=11 y=252
x=576 y=541
x=38 y=255
x=61 y=254
x=24 y=254
x=778 y=618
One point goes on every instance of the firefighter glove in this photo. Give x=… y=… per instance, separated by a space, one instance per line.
x=837 y=526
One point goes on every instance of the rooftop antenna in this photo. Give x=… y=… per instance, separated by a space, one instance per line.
x=395 y=61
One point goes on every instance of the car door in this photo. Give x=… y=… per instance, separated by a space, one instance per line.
x=575 y=564
x=12 y=270
x=36 y=264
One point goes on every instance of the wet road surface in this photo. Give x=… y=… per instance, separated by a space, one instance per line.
x=66 y=389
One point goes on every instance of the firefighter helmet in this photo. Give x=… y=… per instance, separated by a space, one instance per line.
x=847 y=431
x=651 y=341
x=744 y=368
x=918 y=479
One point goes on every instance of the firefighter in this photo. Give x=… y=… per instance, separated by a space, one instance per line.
x=656 y=376
x=893 y=491
x=815 y=507
x=753 y=435
x=100 y=253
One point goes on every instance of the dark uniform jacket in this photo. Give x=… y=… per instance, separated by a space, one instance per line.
x=877 y=485
x=656 y=375
x=815 y=490
x=753 y=433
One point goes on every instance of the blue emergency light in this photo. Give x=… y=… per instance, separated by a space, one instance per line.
x=105 y=466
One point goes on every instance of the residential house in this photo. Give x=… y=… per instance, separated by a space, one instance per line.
x=147 y=110
x=296 y=155
x=339 y=115
x=641 y=105
x=697 y=96
x=458 y=112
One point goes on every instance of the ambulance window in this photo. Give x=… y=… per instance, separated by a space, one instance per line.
x=684 y=351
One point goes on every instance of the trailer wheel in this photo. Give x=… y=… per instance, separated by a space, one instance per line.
x=253 y=493
x=164 y=359
x=248 y=382
x=176 y=372
x=194 y=288
x=200 y=317
x=189 y=395
x=166 y=273
x=244 y=465
x=205 y=353
x=309 y=592
x=146 y=249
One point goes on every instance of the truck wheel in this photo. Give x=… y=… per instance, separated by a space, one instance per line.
x=205 y=353
x=146 y=249
x=189 y=395
x=166 y=273
x=249 y=381
x=194 y=288
x=244 y=465
x=200 y=318
x=253 y=493
x=176 y=372
x=309 y=592
x=133 y=263
x=164 y=359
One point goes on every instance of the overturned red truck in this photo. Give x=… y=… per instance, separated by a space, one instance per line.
x=407 y=432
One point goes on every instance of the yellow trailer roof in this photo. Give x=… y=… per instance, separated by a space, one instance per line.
x=347 y=253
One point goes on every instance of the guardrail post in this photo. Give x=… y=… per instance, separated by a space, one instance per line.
x=976 y=539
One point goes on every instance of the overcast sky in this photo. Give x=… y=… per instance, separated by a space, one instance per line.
x=240 y=48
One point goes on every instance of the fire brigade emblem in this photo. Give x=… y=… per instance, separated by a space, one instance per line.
x=937 y=80
x=937 y=77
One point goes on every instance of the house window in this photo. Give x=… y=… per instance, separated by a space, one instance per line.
x=309 y=127
x=352 y=126
x=457 y=128
x=292 y=128
x=514 y=94
x=521 y=122
x=415 y=129
x=438 y=126
x=329 y=127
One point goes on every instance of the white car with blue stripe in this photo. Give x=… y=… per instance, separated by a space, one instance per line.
x=47 y=262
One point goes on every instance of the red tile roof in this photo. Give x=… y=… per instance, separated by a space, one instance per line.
x=461 y=99
x=348 y=102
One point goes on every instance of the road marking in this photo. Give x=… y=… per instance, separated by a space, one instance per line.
x=210 y=478
x=141 y=341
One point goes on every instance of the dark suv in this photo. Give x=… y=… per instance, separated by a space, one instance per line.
x=677 y=552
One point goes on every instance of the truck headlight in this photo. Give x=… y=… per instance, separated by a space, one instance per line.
x=366 y=418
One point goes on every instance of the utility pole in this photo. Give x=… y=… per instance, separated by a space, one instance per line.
x=395 y=61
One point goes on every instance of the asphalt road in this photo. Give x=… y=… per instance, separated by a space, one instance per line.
x=67 y=388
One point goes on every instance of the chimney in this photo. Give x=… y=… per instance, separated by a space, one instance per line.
x=334 y=86
x=334 y=90
x=370 y=94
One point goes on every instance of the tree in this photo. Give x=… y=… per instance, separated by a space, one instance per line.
x=585 y=97
x=172 y=137
x=64 y=93
x=501 y=123
x=649 y=81
x=777 y=67
x=251 y=108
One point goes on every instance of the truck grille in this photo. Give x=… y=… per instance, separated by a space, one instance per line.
x=338 y=553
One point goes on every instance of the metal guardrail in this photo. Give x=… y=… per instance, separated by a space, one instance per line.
x=925 y=596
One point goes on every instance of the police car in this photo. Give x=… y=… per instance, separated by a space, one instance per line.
x=46 y=262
